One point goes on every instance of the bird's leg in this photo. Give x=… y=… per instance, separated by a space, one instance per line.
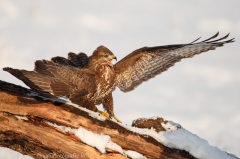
x=108 y=106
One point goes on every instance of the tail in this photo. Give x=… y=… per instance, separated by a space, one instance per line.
x=15 y=72
x=35 y=81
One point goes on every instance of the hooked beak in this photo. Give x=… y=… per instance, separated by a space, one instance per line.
x=114 y=57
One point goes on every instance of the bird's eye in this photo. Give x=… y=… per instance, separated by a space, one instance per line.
x=106 y=56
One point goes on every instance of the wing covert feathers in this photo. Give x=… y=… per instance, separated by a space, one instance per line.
x=147 y=62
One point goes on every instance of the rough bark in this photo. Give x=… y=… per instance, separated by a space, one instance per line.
x=35 y=138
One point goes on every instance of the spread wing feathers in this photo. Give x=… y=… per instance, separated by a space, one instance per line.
x=40 y=67
x=51 y=79
x=39 y=80
x=76 y=60
x=62 y=61
x=73 y=77
x=79 y=60
x=147 y=62
x=71 y=81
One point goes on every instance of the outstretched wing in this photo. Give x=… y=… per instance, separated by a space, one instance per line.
x=147 y=62
x=71 y=82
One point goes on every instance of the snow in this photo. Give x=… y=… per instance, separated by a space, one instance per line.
x=7 y=153
x=184 y=140
x=95 y=115
x=134 y=155
x=92 y=139
x=99 y=141
x=113 y=146
x=21 y=117
x=178 y=137
x=95 y=140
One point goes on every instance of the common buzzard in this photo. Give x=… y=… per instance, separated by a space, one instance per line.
x=90 y=81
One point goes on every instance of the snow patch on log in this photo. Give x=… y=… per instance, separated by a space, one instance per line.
x=95 y=115
x=134 y=155
x=179 y=138
x=21 y=117
x=99 y=141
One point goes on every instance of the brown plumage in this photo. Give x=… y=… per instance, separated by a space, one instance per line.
x=89 y=81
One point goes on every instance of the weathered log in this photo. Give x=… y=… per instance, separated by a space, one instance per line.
x=35 y=138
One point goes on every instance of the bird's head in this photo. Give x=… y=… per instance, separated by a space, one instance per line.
x=104 y=54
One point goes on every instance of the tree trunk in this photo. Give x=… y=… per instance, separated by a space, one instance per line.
x=24 y=128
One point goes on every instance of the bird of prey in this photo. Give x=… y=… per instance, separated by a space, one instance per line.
x=90 y=80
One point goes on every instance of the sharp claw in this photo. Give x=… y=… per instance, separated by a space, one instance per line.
x=117 y=119
x=104 y=114
x=108 y=116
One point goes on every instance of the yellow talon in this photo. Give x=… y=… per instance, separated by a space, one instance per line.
x=104 y=114
x=117 y=119
x=108 y=116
